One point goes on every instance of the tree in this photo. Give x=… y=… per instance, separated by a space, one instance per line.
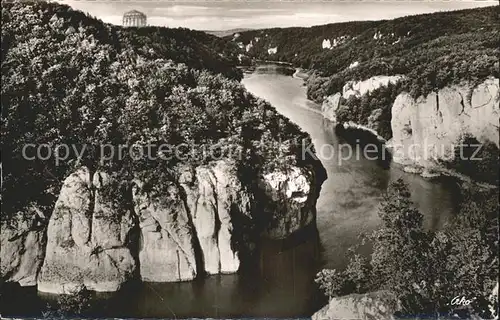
x=74 y=304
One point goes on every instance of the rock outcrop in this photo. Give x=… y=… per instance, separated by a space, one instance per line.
x=380 y=305
x=330 y=106
x=332 y=103
x=359 y=88
x=166 y=249
x=87 y=239
x=203 y=220
x=493 y=299
x=426 y=130
x=190 y=228
x=23 y=248
x=289 y=200
x=215 y=198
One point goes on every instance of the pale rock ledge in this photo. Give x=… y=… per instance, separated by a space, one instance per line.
x=289 y=200
x=380 y=305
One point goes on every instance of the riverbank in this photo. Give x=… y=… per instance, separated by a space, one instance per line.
x=424 y=172
x=301 y=74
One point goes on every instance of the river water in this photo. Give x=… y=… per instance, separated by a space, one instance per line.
x=281 y=284
x=349 y=197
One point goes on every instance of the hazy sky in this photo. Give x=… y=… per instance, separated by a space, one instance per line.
x=230 y=14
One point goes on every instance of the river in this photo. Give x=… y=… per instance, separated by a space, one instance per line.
x=282 y=283
x=349 y=197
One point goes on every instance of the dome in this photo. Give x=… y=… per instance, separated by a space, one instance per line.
x=134 y=18
x=134 y=13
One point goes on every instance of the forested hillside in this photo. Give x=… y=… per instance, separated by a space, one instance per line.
x=433 y=50
x=71 y=80
x=194 y=48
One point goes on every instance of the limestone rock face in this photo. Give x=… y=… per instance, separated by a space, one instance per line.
x=215 y=199
x=86 y=239
x=330 y=106
x=426 y=130
x=23 y=249
x=204 y=220
x=332 y=103
x=290 y=200
x=493 y=299
x=166 y=251
x=359 y=88
x=380 y=305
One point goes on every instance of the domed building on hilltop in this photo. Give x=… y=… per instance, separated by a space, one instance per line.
x=134 y=18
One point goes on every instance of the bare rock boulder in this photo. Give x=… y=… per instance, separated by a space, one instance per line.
x=380 y=305
x=166 y=251
x=87 y=239
x=22 y=248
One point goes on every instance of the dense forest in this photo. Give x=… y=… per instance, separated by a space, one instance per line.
x=71 y=80
x=432 y=50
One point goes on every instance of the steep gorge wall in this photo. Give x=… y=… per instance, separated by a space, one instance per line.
x=427 y=130
x=204 y=223
x=22 y=248
x=87 y=239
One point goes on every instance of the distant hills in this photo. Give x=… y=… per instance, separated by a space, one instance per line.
x=433 y=50
x=224 y=33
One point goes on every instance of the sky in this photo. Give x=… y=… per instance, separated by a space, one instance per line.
x=257 y=14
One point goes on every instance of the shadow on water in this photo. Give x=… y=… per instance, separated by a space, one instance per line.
x=20 y=301
x=366 y=143
x=432 y=198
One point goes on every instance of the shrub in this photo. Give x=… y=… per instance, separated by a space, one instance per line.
x=75 y=304
x=480 y=161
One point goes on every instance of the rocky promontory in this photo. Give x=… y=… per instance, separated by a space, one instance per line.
x=380 y=305
x=216 y=169
x=206 y=223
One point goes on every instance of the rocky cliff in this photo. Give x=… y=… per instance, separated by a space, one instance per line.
x=22 y=248
x=427 y=130
x=87 y=239
x=360 y=88
x=206 y=222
